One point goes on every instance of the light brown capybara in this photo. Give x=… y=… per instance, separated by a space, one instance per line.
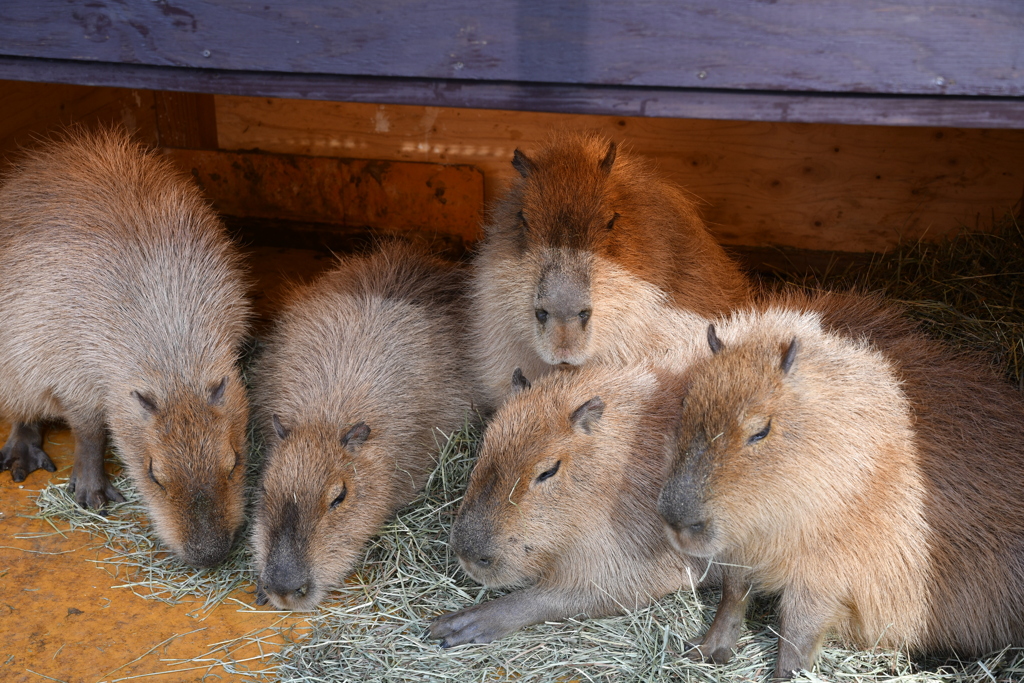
x=562 y=501
x=585 y=250
x=123 y=306
x=362 y=378
x=832 y=454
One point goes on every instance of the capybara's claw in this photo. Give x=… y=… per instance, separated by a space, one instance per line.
x=23 y=458
x=478 y=624
x=95 y=495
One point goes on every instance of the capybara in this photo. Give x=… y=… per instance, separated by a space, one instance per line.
x=587 y=246
x=832 y=454
x=362 y=377
x=562 y=502
x=123 y=305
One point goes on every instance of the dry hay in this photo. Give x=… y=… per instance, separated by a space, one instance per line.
x=374 y=629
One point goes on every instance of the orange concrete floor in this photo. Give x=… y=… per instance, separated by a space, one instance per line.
x=61 y=617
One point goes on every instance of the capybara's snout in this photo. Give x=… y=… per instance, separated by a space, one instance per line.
x=473 y=542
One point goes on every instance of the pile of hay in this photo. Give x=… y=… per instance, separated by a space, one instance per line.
x=968 y=291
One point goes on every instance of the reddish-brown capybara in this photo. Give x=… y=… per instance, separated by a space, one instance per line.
x=584 y=251
x=562 y=502
x=123 y=307
x=362 y=378
x=832 y=454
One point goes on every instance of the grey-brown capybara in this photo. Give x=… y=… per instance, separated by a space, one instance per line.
x=123 y=306
x=362 y=378
x=832 y=454
x=585 y=250
x=562 y=502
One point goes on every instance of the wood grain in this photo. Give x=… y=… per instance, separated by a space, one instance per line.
x=824 y=187
x=926 y=47
x=608 y=100
x=388 y=196
x=185 y=119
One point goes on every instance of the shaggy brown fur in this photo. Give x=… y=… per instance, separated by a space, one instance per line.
x=562 y=502
x=122 y=303
x=869 y=475
x=361 y=378
x=585 y=249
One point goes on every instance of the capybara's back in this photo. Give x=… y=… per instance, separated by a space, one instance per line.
x=968 y=428
x=362 y=378
x=865 y=472
x=122 y=303
x=586 y=247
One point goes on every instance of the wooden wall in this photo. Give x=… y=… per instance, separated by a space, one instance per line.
x=814 y=186
x=811 y=186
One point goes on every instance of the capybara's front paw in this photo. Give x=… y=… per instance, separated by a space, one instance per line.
x=22 y=457
x=477 y=624
x=94 y=494
x=700 y=651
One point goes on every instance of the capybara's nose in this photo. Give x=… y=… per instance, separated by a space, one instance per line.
x=207 y=553
x=286 y=585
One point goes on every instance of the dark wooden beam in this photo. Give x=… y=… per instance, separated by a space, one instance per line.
x=945 y=111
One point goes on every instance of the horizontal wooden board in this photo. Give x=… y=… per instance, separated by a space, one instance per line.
x=928 y=47
x=844 y=108
x=824 y=187
x=395 y=196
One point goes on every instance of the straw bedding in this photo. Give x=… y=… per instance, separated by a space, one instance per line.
x=968 y=291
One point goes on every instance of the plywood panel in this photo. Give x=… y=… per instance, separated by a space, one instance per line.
x=814 y=186
x=33 y=109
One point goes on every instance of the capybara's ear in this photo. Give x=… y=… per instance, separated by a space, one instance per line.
x=587 y=415
x=282 y=433
x=789 y=356
x=217 y=393
x=519 y=381
x=355 y=437
x=522 y=163
x=713 y=341
x=609 y=159
x=145 y=401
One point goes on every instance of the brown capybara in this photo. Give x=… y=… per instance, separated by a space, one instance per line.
x=562 y=502
x=362 y=378
x=832 y=454
x=123 y=306
x=586 y=248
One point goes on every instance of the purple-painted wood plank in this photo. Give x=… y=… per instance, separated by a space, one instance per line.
x=925 y=47
x=963 y=112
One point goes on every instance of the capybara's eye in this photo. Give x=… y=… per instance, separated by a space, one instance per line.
x=584 y=316
x=542 y=315
x=153 y=476
x=547 y=474
x=611 y=223
x=761 y=434
x=522 y=219
x=341 y=496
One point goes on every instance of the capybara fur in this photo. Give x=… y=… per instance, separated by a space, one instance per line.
x=586 y=247
x=562 y=501
x=362 y=378
x=832 y=454
x=123 y=305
